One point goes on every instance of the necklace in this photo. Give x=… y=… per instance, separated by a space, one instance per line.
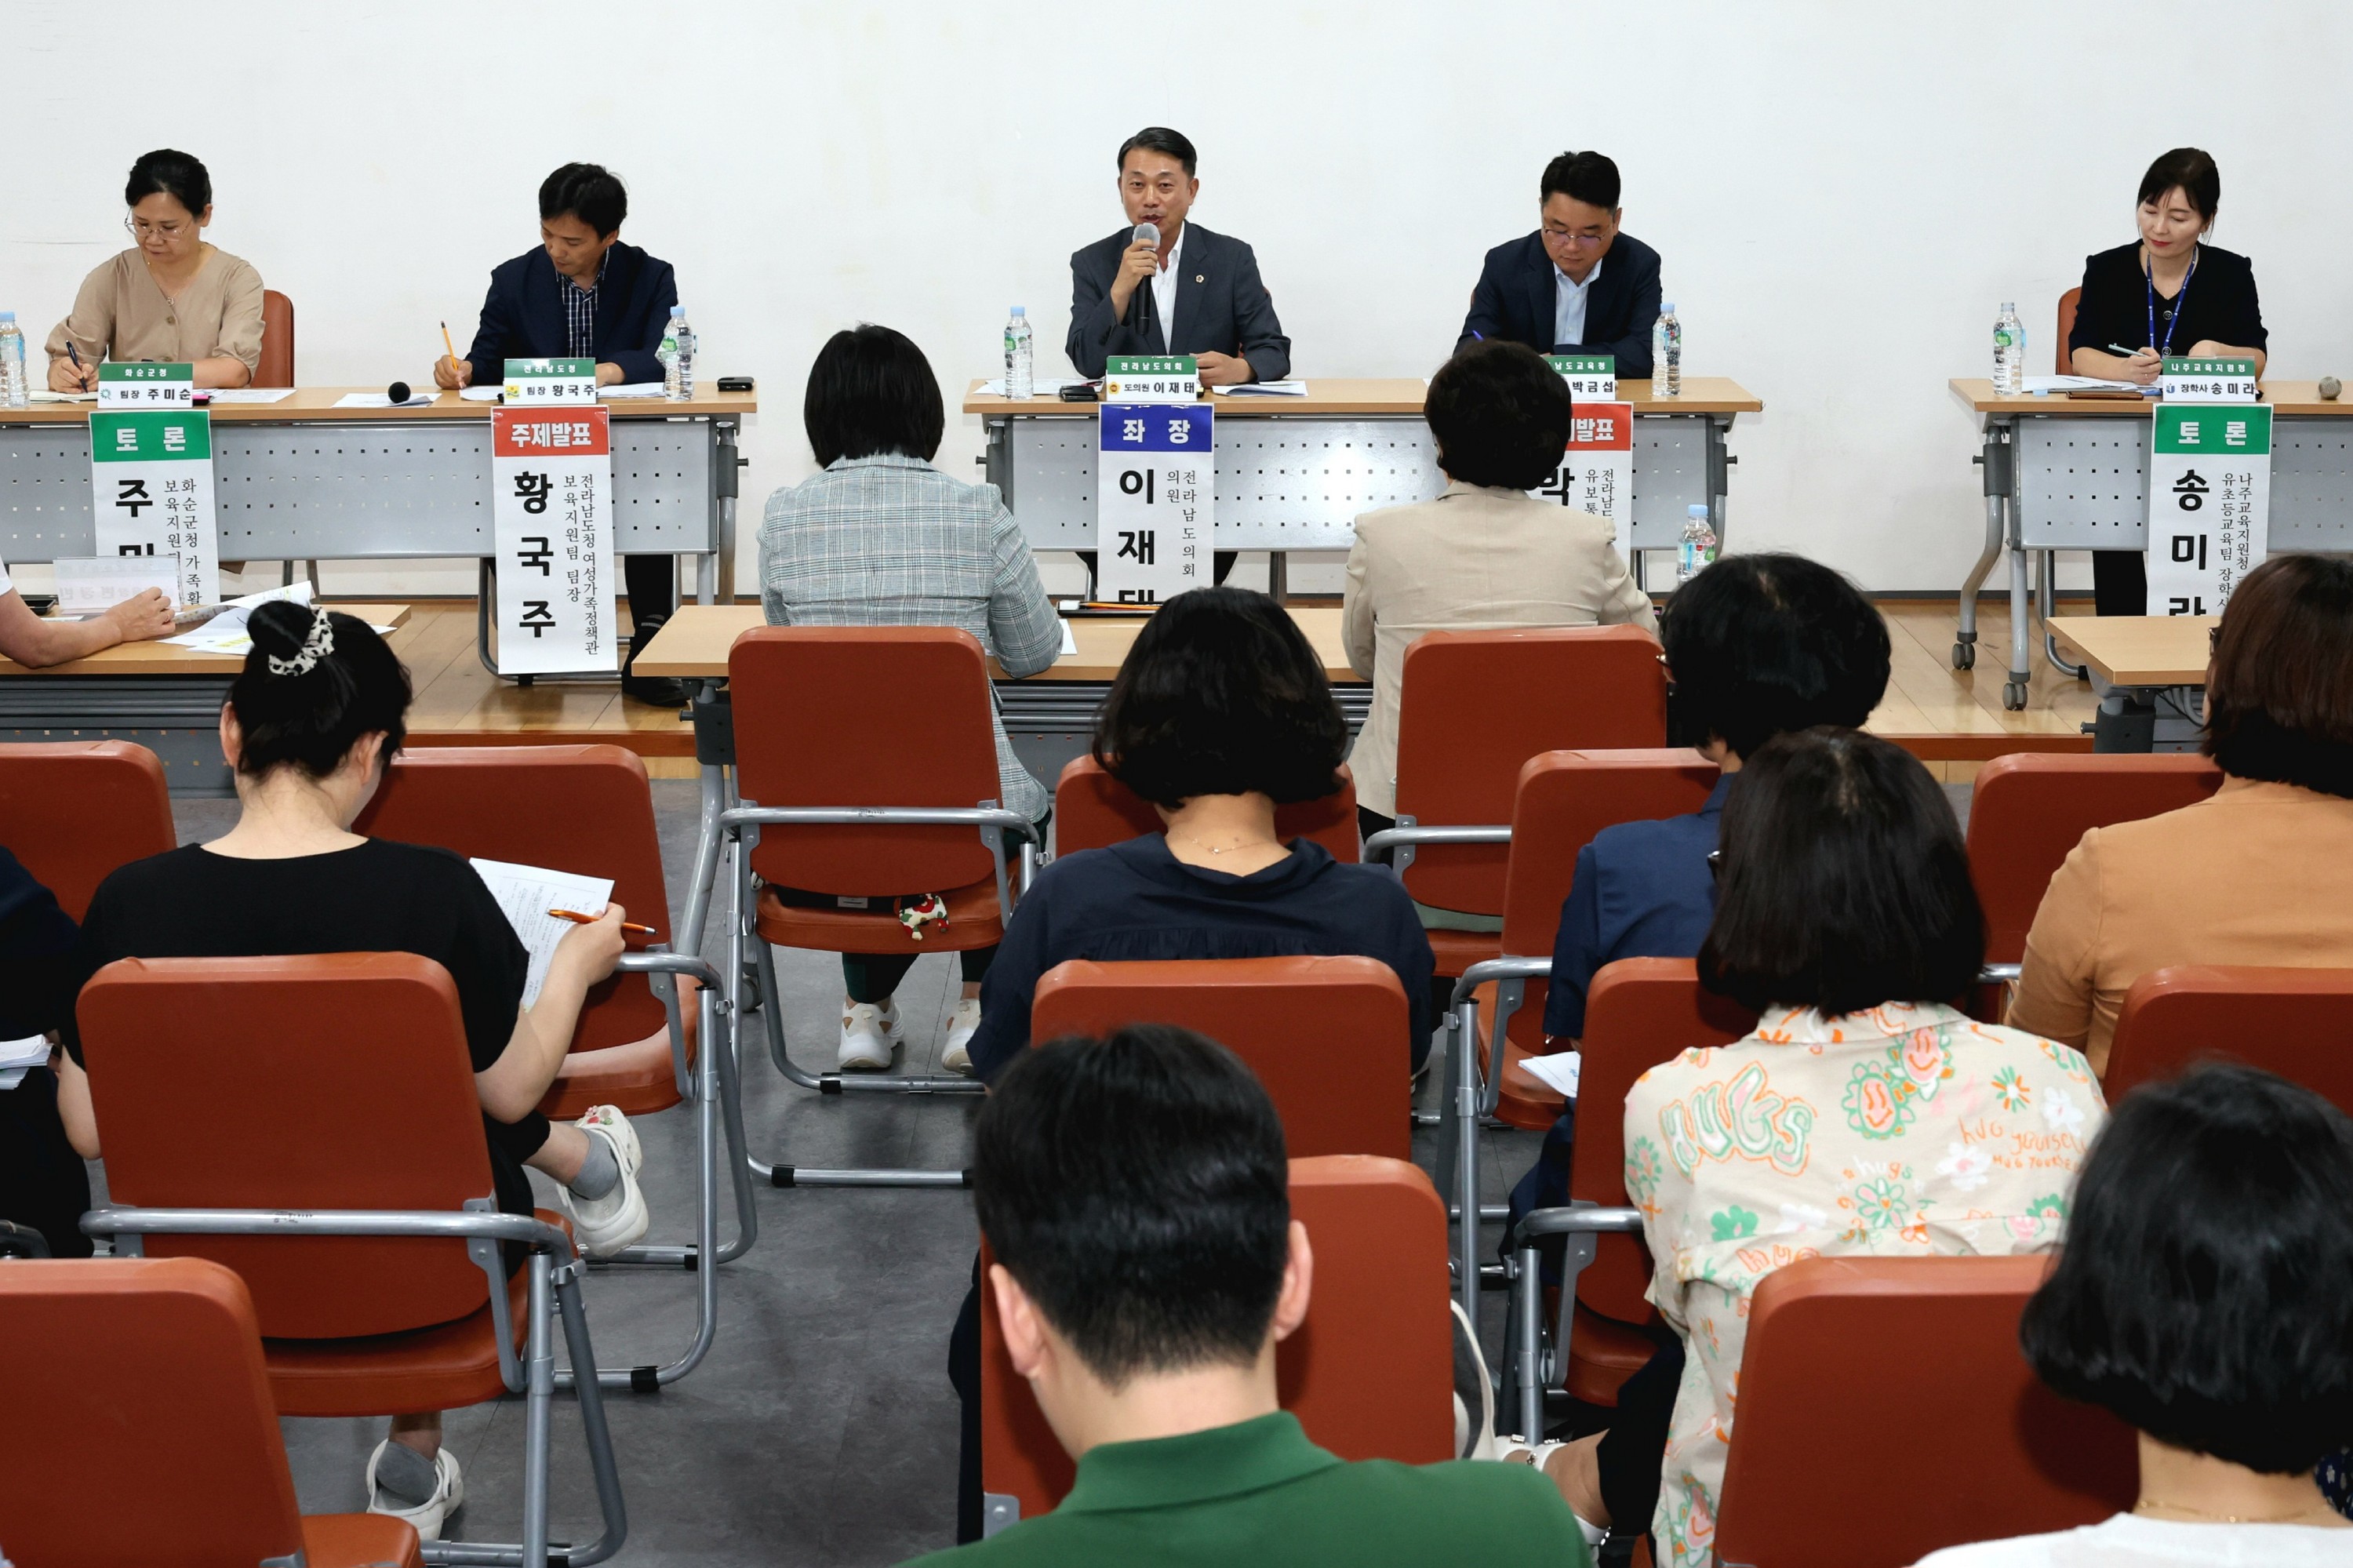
x=2147 y=1503
x=1256 y=843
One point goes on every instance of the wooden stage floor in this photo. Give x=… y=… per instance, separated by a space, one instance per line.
x=1953 y=719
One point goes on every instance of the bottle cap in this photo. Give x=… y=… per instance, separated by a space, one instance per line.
x=1667 y=309
x=1020 y=311
x=1695 y=510
x=2008 y=307
x=7 y=315
x=676 y=311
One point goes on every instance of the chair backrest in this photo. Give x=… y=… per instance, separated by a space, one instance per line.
x=1326 y=1036
x=1640 y=1012
x=140 y=1426
x=587 y=809
x=2062 y=361
x=1093 y=809
x=1369 y=1374
x=1806 y=1480
x=339 y=1081
x=1564 y=799
x=2297 y=1023
x=1476 y=705
x=2031 y=809
x=277 y=367
x=72 y=810
x=865 y=715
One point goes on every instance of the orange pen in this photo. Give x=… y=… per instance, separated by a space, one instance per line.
x=577 y=919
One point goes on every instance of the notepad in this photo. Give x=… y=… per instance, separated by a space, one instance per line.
x=1558 y=1071
x=251 y=394
x=30 y=1051
x=379 y=400
x=634 y=389
x=1044 y=388
x=1069 y=644
x=481 y=394
x=2044 y=385
x=525 y=893
x=1263 y=389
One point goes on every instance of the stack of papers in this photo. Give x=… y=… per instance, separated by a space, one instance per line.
x=379 y=400
x=19 y=1057
x=525 y=893
x=2047 y=385
x=251 y=394
x=633 y=389
x=1045 y=387
x=1263 y=389
x=1558 y=1071
x=225 y=632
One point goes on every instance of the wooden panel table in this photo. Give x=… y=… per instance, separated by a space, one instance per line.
x=2149 y=672
x=1294 y=473
x=2068 y=473
x=167 y=698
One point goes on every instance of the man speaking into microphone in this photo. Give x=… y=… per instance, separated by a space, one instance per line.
x=1164 y=286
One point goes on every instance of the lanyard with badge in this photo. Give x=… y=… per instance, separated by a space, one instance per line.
x=2181 y=298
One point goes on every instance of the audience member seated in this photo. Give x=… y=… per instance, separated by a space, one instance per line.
x=1220 y=713
x=1864 y=1115
x=36 y=641
x=2255 y=874
x=884 y=538
x=2206 y=1297
x=1756 y=646
x=42 y=1182
x=1135 y=1194
x=310 y=724
x=1481 y=557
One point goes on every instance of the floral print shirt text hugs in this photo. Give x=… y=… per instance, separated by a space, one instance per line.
x=1901 y=1130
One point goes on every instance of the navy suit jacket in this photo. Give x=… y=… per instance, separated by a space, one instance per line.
x=1222 y=307
x=523 y=318
x=1515 y=295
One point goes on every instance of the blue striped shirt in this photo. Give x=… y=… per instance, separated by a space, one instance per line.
x=580 y=314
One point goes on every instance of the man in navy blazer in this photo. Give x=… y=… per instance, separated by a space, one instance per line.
x=582 y=294
x=1577 y=285
x=1194 y=292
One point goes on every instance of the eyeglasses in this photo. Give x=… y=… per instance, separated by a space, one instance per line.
x=140 y=229
x=1563 y=237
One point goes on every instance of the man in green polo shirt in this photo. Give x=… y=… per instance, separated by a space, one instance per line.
x=1136 y=1193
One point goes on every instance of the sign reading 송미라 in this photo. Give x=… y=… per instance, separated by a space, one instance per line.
x=1156 y=483
x=541 y=383
x=2207 y=381
x=1167 y=379
x=2210 y=492
x=551 y=482
x=1589 y=376
x=150 y=459
x=1597 y=472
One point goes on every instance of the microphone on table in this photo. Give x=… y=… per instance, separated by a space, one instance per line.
x=396 y=394
x=1146 y=234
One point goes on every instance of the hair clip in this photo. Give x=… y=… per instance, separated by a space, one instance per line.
x=316 y=645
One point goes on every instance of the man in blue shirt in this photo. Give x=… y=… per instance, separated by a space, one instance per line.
x=1579 y=284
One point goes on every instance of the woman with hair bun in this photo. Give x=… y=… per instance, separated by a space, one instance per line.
x=310 y=725
x=170 y=297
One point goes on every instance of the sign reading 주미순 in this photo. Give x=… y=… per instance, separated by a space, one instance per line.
x=552 y=479
x=1164 y=379
x=2210 y=491
x=1589 y=376
x=151 y=457
x=1155 y=484
x=1597 y=472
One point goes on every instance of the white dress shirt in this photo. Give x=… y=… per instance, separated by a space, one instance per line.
x=1568 y=305
x=1164 y=290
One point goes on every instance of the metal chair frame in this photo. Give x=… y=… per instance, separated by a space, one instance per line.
x=22 y=1241
x=555 y=1287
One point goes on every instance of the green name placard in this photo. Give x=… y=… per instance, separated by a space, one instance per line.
x=1151 y=365
x=557 y=369
x=139 y=436
x=112 y=370
x=2214 y=430
x=1583 y=364
x=2228 y=367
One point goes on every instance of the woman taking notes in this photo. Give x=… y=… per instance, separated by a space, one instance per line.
x=2170 y=296
x=172 y=298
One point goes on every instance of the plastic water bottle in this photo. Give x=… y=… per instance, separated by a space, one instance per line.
x=1696 y=548
x=1018 y=381
x=677 y=355
x=1667 y=355
x=2008 y=351
x=15 y=393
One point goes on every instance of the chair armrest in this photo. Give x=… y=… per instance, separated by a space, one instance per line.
x=22 y=1241
x=661 y=967
x=2000 y=974
x=524 y=1229
x=896 y=816
x=1581 y=1222
x=1404 y=839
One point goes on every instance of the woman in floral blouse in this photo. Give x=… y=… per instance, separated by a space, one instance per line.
x=1864 y=1115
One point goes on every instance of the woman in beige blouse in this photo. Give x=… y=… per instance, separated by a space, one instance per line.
x=172 y=298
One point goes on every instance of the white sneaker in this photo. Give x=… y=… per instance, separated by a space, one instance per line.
x=869 y=1031
x=428 y=1516
x=955 y=1057
x=605 y=1225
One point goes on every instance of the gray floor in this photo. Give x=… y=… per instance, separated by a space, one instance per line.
x=820 y=1429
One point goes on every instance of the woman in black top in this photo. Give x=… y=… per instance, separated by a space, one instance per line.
x=310 y=724
x=42 y=1182
x=2169 y=296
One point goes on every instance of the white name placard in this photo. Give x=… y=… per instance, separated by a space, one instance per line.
x=2206 y=381
x=152 y=490
x=1590 y=376
x=1597 y=472
x=2210 y=492
x=551 y=481
x=1170 y=378
x=1155 y=490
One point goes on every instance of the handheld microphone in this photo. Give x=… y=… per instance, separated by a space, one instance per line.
x=1146 y=234
x=396 y=394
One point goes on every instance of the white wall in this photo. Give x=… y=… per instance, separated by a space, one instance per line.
x=1842 y=193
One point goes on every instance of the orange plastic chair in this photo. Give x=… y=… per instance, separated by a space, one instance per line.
x=277 y=367
x=1326 y=1036
x=1805 y=1481
x=1473 y=707
x=2297 y=1023
x=73 y=811
x=140 y=1427
x=1095 y=810
x=2063 y=359
x=835 y=804
x=589 y=809
x=312 y=1123
x=1369 y=1374
x=1638 y=1013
